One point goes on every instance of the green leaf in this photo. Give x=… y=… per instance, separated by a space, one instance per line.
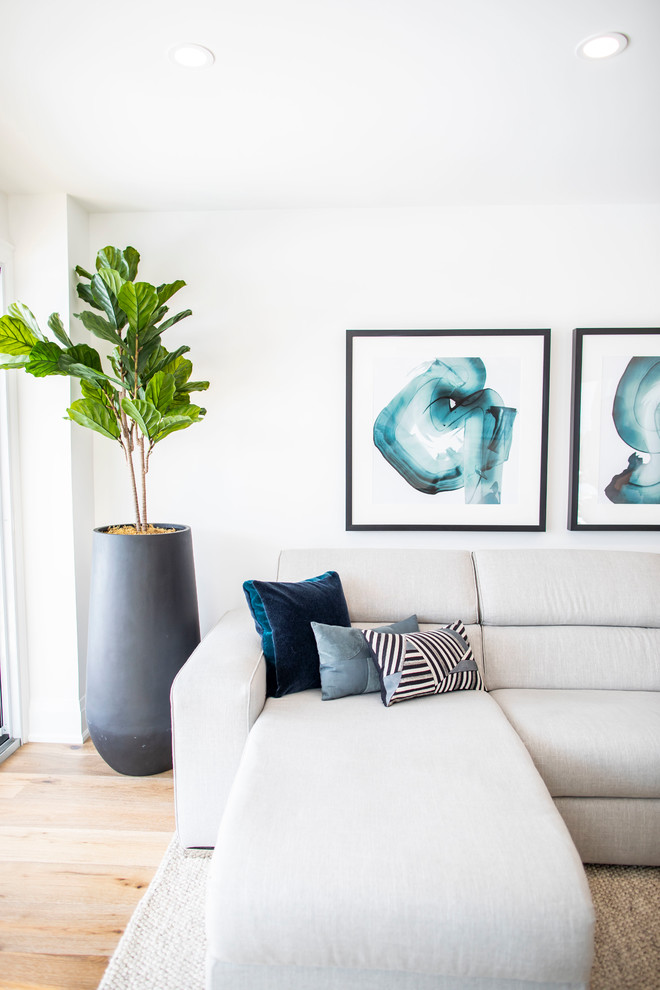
x=182 y=370
x=107 y=300
x=168 y=359
x=82 y=272
x=174 y=319
x=144 y=414
x=21 y=312
x=99 y=327
x=112 y=257
x=194 y=387
x=10 y=363
x=112 y=279
x=155 y=356
x=187 y=409
x=147 y=348
x=82 y=361
x=151 y=333
x=158 y=314
x=95 y=416
x=180 y=418
x=132 y=259
x=192 y=412
x=87 y=295
x=76 y=370
x=125 y=262
x=170 y=424
x=146 y=355
x=166 y=292
x=138 y=300
x=84 y=354
x=100 y=390
x=44 y=360
x=15 y=336
x=160 y=391
x=56 y=325
x=105 y=288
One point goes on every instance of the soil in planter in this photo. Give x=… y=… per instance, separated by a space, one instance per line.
x=131 y=531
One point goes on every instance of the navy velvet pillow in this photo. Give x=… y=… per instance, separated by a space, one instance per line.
x=283 y=612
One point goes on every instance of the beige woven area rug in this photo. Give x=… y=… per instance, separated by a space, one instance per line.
x=163 y=945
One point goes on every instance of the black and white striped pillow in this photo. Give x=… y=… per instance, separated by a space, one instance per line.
x=414 y=664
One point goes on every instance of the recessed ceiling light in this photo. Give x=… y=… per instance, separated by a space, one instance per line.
x=192 y=56
x=602 y=45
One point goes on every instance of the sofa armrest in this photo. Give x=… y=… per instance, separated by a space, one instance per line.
x=216 y=698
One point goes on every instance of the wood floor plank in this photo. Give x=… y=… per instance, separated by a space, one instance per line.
x=32 y=971
x=10 y=788
x=73 y=799
x=57 y=758
x=79 y=844
x=45 y=758
x=90 y=904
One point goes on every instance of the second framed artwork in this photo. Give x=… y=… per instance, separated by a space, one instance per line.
x=447 y=429
x=615 y=456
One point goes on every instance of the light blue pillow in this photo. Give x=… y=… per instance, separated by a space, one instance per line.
x=347 y=663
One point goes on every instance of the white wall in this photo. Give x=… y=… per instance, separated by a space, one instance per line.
x=82 y=455
x=273 y=293
x=43 y=229
x=13 y=653
x=4 y=217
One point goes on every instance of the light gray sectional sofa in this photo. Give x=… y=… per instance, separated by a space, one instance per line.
x=436 y=844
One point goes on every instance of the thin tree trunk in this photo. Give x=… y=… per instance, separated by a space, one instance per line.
x=143 y=479
x=128 y=447
x=136 y=504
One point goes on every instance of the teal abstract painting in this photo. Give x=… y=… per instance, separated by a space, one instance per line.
x=615 y=435
x=636 y=416
x=446 y=430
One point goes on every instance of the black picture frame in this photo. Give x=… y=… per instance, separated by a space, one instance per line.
x=608 y=364
x=385 y=479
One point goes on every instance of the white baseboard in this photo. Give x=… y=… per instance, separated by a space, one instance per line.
x=56 y=722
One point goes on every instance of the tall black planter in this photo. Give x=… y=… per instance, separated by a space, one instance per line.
x=143 y=626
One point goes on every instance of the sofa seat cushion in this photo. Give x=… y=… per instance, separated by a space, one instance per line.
x=589 y=743
x=418 y=839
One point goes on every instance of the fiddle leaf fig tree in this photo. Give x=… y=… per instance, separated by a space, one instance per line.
x=144 y=394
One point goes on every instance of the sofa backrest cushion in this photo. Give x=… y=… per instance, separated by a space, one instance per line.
x=609 y=658
x=576 y=619
x=387 y=585
x=568 y=587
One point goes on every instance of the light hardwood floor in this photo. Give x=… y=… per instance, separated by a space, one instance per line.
x=79 y=844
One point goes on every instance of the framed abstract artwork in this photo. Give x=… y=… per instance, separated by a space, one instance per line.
x=446 y=429
x=615 y=439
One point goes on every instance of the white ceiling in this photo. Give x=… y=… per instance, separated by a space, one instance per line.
x=328 y=103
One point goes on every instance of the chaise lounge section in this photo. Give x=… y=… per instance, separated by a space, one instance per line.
x=571 y=643
x=422 y=845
